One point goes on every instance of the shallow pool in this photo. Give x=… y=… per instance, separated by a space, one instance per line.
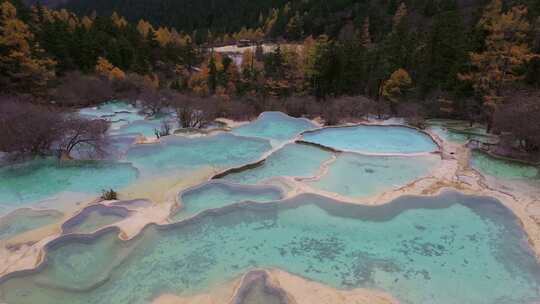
x=503 y=169
x=178 y=153
x=373 y=139
x=357 y=175
x=126 y=119
x=292 y=160
x=93 y=218
x=23 y=220
x=218 y=194
x=275 y=126
x=459 y=131
x=30 y=182
x=445 y=249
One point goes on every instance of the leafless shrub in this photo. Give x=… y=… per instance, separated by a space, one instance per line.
x=520 y=117
x=346 y=108
x=164 y=130
x=194 y=112
x=28 y=129
x=78 y=90
x=413 y=113
x=237 y=109
x=34 y=130
x=130 y=87
x=153 y=101
x=87 y=135
x=109 y=195
x=298 y=106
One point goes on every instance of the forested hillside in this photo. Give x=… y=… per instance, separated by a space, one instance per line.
x=288 y=19
x=475 y=60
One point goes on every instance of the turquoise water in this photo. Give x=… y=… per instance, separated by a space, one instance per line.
x=459 y=131
x=504 y=169
x=117 y=112
x=127 y=119
x=275 y=126
x=357 y=175
x=446 y=249
x=216 y=194
x=93 y=218
x=178 y=153
x=291 y=160
x=23 y=220
x=373 y=139
x=30 y=182
x=143 y=127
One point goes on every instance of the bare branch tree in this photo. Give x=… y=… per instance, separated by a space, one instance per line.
x=28 y=129
x=77 y=90
x=194 y=112
x=86 y=135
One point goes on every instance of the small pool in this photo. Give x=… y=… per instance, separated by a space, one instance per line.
x=275 y=126
x=504 y=169
x=23 y=220
x=358 y=176
x=126 y=119
x=459 y=131
x=30 y=182
x=178 y=153
x=373 y=139
x=93 y=218
x=217 y=194
x=292 y=160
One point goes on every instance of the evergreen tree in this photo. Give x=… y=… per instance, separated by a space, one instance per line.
x=212 y=74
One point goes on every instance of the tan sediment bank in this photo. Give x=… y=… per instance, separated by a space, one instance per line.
x=296 y=290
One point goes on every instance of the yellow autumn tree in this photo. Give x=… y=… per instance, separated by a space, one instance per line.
x=107 y=69
x=144 y=27
x=506 y=50
x=117 y=74
x=198 y=82
x=118 y=21
x=394 y=88
x=87 y=22
x=23 y=65
x=163 y=36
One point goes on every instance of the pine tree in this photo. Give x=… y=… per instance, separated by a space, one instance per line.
x=445 y=52
x=212 y=74
x=322 y=68
x=295 y=27
x=399 y=15
x=365 y=38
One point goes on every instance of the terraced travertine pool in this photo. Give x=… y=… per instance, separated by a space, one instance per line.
x=459 y=131
x=275 y=126
x=449 y=248
x=23 y=220
x=504 y=169
x=445 y=249
x=32 y=182
x=371 y=139
x=214 y=195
